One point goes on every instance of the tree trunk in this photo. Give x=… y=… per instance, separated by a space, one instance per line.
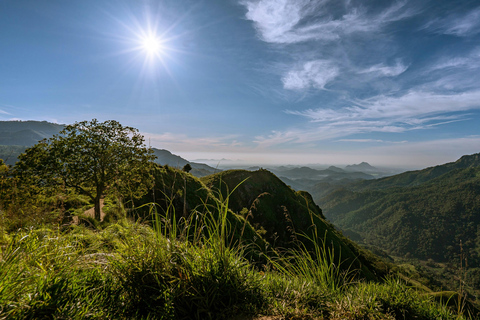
x=97 y=207
x=98 y=196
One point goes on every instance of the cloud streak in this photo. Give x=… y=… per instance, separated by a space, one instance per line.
x=411 y=111
x=293 y=21
x=461 y=25
x=387 y=71
x=183 y=142
x=410 y=107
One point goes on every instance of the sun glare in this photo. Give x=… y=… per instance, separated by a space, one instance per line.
x=152 y=45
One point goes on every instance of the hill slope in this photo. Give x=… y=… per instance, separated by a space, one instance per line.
x=165 y=157
x=26 y=133
x=282 y=215
x=428 y=214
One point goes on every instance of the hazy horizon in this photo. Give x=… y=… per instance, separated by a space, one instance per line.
x=268 y=82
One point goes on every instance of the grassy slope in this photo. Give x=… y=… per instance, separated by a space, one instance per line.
x=284 y=215
x=184 y=196
x=129 y=270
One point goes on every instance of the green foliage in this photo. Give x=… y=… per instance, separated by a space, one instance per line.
x=427 y=221
x=390 y=300
x=288 y=219
x=130 y=271
x=90 y=157
x=187 y=168
x=182 y=203
x=429 y=215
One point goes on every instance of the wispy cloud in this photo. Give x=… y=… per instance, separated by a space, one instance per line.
x=411 y=111
x=293 y=21
x=468 y=61
x=370 y=141
x=461 y=25
x=324 y=41
x=387 y=71
x=183 y=142
x=314 y=74
x=6 y=106
x=410 y=107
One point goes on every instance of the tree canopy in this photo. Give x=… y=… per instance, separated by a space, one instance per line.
x=187 y=167
x=90 y=157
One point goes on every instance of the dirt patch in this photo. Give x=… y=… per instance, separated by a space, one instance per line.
x=91 y=213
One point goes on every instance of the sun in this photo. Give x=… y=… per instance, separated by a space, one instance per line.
x=152 y=45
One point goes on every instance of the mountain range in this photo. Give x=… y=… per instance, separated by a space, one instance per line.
x=423 y=213
x=16 y=136
x=431 y=214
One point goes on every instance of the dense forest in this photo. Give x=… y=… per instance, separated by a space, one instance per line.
x=431 y=214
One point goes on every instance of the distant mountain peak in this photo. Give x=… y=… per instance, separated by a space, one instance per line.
x=365 y=166
x=335 y=169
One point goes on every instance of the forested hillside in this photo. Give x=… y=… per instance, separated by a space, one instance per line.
x=425 y=221
x=427 y=214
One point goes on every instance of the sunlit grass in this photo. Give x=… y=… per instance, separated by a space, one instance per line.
x=188 y=268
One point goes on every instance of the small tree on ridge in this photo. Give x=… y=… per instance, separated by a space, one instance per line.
x=88 y=156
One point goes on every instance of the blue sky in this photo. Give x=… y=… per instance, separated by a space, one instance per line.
x=254 y=81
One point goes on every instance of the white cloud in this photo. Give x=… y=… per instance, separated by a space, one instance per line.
x=410 y=107
x=387 y=71
x=412 y=111
x=292 y=21
x=459 y=25
x=2 y=111
x=466 y=25
x=183 y=142
x=468 y=62
x=274 y=19
x=314 y=74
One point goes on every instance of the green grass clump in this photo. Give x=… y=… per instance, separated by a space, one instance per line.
x=390 y=300
x=42 y=276
x=174 y=280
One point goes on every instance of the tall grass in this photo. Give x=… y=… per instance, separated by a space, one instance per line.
x=43 y=275
x=187 y=268
x=320 y=265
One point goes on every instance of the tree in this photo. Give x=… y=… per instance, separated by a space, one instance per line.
x=3 y=181
x=90 y=157
x=187 y=167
